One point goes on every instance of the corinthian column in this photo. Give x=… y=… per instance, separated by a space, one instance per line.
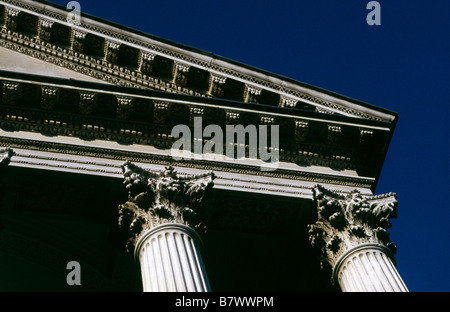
x=163 y=219
x=351 y=238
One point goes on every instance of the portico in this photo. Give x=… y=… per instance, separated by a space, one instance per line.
x=87 y=114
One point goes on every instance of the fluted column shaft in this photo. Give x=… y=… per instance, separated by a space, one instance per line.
x=368 y=268
x=170 y=260
x=163 y=218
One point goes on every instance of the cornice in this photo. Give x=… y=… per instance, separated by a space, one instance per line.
x=279 y=91
x=94 y=111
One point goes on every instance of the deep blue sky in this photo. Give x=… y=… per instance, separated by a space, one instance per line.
x=402 y=65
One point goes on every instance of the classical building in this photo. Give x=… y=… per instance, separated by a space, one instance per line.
x=87 y=173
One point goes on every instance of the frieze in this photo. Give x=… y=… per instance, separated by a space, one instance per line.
x=167 y=160
x=157 y=135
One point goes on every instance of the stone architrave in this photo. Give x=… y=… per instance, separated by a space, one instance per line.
x=351 y=237
x=163 y=219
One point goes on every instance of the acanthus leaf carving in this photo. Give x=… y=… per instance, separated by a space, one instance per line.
x=344 y=222
x=156 y=198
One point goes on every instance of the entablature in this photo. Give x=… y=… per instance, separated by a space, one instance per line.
x=104 y=158
x=95 y=112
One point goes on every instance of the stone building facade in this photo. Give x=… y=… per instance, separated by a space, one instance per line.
x=87 y=114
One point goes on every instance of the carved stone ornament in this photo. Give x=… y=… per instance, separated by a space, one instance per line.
x=5 y=156
x=344 y=222
x=160 y=198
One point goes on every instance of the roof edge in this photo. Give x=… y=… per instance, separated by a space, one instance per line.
x=281 y=82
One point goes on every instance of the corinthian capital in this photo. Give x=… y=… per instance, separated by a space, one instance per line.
x=156 y=198
x=5 y=156
x=345 y=222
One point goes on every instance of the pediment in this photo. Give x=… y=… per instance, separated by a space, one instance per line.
x=37 y=35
